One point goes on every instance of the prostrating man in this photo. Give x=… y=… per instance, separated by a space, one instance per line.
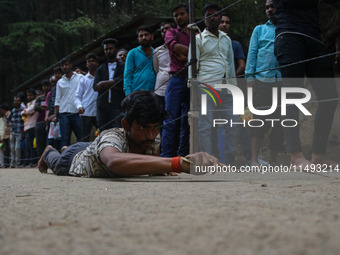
x=86 y=97
x=298 y=38
x=260 y=58
x=130 y=150
x=17 y=126
x=215 y=60
x=175 y=135
x=139 y=73
x=65 y=111
x=108 y=82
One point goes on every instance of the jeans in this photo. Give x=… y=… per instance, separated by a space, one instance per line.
x=61 y=163
x=175 y=133
x=69 y=122
x=207 y=132
x=290 y=48
x=41 y=137
x=87 y=122
x=31 y=156
x=15 y=144
x=7 y=151
x=262 y=100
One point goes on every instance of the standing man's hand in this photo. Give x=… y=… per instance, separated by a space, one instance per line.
x=81 y=110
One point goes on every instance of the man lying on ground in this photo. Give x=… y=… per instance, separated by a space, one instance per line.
x=130 y=150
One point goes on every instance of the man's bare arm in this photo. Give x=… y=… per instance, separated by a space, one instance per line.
x=103 y=85
x=180 y=52
x=241 y=66
x=138 y=164
x=134 y=164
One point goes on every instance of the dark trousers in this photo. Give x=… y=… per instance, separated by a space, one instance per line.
x=41 y=137
x=7 y=150
x=69 y=122
x=161 y=101
x=290 y=48
x=87 y=123
x=109 y=113
x=61 y=163
x=262 y=100
x=175 y=134
x=31 y=155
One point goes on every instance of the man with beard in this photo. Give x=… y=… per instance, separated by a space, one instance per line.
x=65 y=111
x=139 y=73
x=130 y=150
x=108 y=82
x=215 y=60
x=175 y=135
x=261 y=57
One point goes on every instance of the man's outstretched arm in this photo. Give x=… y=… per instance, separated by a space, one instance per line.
x=138 y=164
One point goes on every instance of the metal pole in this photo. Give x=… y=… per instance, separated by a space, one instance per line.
x=192 y=113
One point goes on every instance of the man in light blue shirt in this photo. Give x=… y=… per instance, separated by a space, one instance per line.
x=261 y=57
x=139 y=73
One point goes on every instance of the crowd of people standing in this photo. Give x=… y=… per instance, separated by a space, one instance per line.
x=74 y=101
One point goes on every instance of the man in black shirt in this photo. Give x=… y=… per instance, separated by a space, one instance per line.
x=109 y=84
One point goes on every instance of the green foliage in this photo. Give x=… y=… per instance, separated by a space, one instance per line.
x=34 y=34
x=75 y=27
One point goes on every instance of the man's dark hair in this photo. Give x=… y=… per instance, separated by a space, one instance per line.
x=167 y=22
x=5 y=106
x=22 y=95
x=18 y=97
x=225 y=14
x=122 y=49
x=110 y=41
x=45 y=83
x=180 y=5
x=92 y=55
x=145 y=28
x=142 y=106
x=65 y=60
x=57 y=70
x=211 y=6
x=31 y=91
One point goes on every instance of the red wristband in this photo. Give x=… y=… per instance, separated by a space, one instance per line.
x=175 y=164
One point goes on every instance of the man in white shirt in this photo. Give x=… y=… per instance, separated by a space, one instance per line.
x=86 y=97
x=65 y=110
x=161 y=65
x=215 y=63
